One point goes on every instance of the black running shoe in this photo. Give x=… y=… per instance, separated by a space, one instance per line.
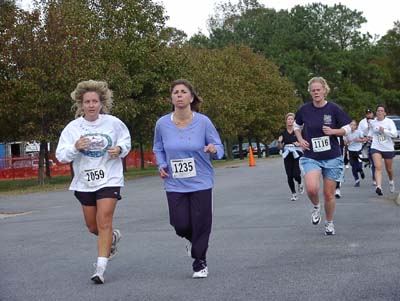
x=378 y=191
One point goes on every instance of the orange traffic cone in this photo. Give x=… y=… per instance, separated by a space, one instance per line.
x=251 y=158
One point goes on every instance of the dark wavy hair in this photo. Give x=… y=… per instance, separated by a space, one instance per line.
x=381 y=106
x=195 y=105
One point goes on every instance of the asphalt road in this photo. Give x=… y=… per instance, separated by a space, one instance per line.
x=263 y=246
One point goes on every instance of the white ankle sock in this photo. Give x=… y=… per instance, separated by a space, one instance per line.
x=102 y=261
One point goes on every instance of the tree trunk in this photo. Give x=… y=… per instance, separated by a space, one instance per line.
x=41 y=160
x=124 y=168
x=259 y=153
x=47 y=163
x=241 y=156
x=228 y=150
x=141 y=154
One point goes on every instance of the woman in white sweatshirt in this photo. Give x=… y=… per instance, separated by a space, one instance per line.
x=96 y=143
x=382 y=131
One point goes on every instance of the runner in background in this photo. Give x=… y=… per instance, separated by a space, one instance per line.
x=287 y=141
x=382 y=147
x=354 y=141
x=338 y=193
x=364 y=126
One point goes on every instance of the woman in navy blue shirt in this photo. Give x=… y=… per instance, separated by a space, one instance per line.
x=317 y=125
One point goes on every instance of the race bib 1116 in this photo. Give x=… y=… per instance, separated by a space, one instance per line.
x=321 y=144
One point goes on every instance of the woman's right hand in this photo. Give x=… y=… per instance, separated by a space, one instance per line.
x=280 y=139
x=304 y=144
x=82 y=143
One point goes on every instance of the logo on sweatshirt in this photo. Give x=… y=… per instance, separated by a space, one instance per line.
x=327 y=119
x=99 y=143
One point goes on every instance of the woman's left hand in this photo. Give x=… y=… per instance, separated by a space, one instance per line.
x=114 y=151
x=210 y=148
x=327 y=130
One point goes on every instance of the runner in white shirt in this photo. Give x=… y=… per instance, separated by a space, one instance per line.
x=96 y=143
x=382 y=131
x=364 y=126
x=354 y=141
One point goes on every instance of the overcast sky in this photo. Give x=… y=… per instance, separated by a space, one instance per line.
x=192 y=15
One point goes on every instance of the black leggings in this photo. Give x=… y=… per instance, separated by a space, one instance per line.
x=292 y=171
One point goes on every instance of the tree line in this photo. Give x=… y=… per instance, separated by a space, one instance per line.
x=251 y=70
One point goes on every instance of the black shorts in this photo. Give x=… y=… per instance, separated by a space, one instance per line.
x=87 y=198
x=385 y=155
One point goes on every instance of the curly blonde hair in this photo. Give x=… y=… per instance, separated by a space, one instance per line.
x=100 y=87
x=322 y=81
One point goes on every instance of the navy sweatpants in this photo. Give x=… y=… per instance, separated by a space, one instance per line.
x=190 y=214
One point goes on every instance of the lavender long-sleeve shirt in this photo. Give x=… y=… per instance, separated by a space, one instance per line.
x=171 y=143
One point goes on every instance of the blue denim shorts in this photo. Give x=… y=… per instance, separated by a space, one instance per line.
x=331 y=168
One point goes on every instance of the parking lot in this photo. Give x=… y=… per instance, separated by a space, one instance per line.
x=262 y=247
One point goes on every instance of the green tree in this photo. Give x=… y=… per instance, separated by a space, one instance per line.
x=243 y=93
x=311 y=40
x=140 y=61
x=389 y=60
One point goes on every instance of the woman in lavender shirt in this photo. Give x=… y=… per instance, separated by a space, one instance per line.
x=185 y=142
x=317 y=125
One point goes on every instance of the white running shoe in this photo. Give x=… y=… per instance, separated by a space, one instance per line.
x=391 y=186
x=294 y=197
x=201 y=274
x=188 y=248
x=316 y=216
x=338 y=195
x=116 y=237
x=300 y=188
x=98 y=276
x=329 y=229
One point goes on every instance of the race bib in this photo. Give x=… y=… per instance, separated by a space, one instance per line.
x=183 y=168
x=94 y=177
x=321 y=144
x=381 y=138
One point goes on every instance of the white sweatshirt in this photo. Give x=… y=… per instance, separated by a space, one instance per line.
x=383 y=141
x=363 y=126
x=93 y=167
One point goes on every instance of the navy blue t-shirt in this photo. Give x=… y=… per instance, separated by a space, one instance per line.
x=322 y=147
